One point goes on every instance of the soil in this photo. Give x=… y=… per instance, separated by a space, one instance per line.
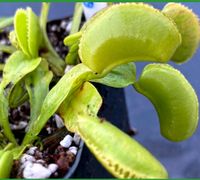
x=4 y=41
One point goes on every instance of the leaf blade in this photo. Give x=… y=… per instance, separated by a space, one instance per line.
x=119 y=77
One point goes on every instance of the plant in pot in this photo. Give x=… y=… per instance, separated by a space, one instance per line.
x=106 y=45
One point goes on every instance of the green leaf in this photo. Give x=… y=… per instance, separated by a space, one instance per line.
x=7 y=49
x=3 y=141
x=34 y=33
x=6 y=162
x=72 y=38
x=17 y=66
x=72 y=56
x=4 y=122
x=2 y=66
x=86 y=100
x=18 y=95
x=5 y=22
x=37 y=84
x=128 y=32
x=121 y=155
x=28 y=32
x=57 y=65
x=18 y=151
x=78 y=11
x=188 y=25
x=127 y=159
x=119 y=77
x=72 y=41
x=20 y=27
x=174 y=99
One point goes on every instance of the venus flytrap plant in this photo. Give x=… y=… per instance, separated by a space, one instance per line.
x=80 y=117
x=106 y=45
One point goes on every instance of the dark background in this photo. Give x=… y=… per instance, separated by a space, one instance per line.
x=182 y=160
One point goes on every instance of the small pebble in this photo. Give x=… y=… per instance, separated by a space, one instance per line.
x=54 y=28
x=53 y=167
x=25 y=164
x=76 y=139
x=73 y=150
x=27 y=157
x=66 y=142
x=36 y=171
x=59 y=121
x=68 y=28
x=55 y=174
x=63 y=24
x=3 y=42
x=49 y=130
x=40 y=161
x=31 y=151
x=57 y=49
x=21 y=125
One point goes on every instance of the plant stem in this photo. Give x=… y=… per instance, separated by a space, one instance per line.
x=1 y=66
x=7 y=49
x=72 y=57
x=76 y=18
x=5 y=22
x=43 y=21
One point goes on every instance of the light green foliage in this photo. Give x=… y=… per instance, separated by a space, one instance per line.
x=73 y=50
x=4 y=123
x=18 y=95
x=103 y=139
x=73 y=42
x=6 y=162
x=188 y=25
x=37 y=84
x=18 y=151
x=5 y=22
x=119 y=77
x=87 y=103
x=17 y=66
x=121 y=155
x=174 y=99
x=28 y=32
x=128 y=32
x=65 y=87
x=57 y=65
x=7 y=49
